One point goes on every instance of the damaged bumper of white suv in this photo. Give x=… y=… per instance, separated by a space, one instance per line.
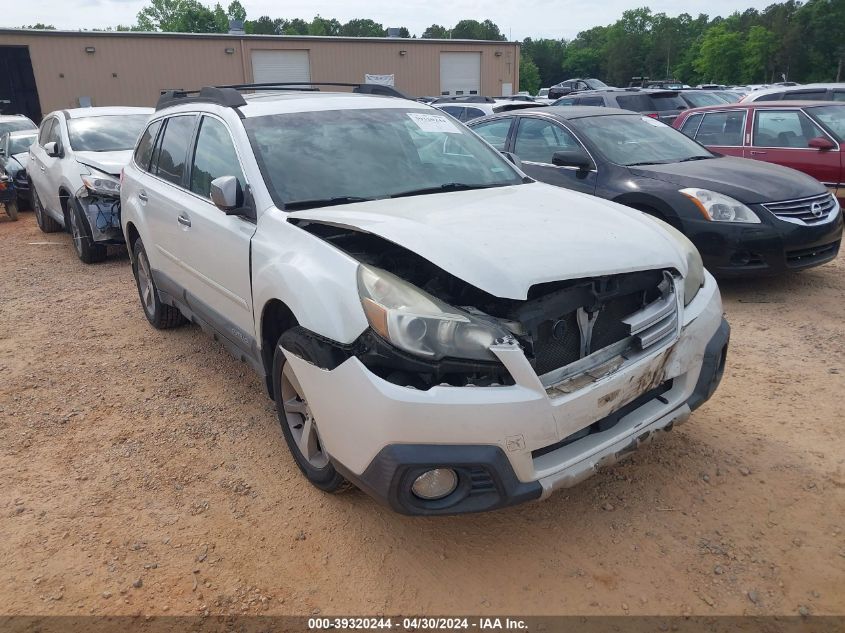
x=569 y=391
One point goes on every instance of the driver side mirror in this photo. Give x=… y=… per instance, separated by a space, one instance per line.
x=577 y=158
x=53 y=149
x=821 y=143
x=228 y=196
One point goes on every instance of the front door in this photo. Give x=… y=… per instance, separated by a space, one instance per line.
x=535 y=143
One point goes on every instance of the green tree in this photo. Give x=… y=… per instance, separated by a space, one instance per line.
x=475 y=30
x=548 y=56
x=720 y=57
x=757 y=54
x=362 y=28
x=264 y=25
x=39 y=26
x=322 y=26
x=179 y=16
x=296 y=26
x=529 y=75
x=436 y=32
x=236 y=11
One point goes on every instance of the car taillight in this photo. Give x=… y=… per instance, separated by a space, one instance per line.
x=652 y=115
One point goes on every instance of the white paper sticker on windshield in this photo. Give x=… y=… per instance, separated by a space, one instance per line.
x=653 y=121
x=433 y=123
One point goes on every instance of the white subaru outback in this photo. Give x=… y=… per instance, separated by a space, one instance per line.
x=435 y=327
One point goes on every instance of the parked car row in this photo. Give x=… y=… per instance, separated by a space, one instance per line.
x=351 y=249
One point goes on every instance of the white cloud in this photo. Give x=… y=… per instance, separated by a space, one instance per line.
x=517 y=19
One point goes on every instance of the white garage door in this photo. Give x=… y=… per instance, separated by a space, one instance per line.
x=281 y=66
x=460 y=73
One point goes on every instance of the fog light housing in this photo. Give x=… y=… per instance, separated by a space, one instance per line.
x=435 y=484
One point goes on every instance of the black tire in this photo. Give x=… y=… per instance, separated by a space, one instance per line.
x=24 y=204
x=12 y=210
x=326 y=477
x=89 y=251
x=161 y=316
x=45 y=222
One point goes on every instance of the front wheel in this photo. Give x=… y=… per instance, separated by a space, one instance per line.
x=89 y=251
x=297 y=419
x=12 y=210
x=161 y=316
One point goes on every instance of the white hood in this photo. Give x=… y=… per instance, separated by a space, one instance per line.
x=507 y=239
x=109 y=162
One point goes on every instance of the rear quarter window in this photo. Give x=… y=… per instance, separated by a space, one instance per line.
x=690 y=125
x=144 y=151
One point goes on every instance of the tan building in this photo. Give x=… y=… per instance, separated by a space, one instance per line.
x=49 y=70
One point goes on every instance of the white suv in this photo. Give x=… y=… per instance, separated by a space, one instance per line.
x=435 y=327
x=73 y=171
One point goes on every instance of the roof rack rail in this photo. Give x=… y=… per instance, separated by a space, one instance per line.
x=231 y=97
x=465 y=99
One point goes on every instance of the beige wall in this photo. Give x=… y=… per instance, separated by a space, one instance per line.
x=130 y=69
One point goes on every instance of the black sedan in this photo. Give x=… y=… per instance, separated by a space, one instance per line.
x=744 y=216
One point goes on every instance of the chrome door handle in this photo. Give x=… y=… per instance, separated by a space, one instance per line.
x=184 y=220
x=753 y=153
x=43 y=168
x=142 y=196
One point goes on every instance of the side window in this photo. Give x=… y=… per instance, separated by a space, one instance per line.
x=538 y=140
x=472 y=113
x=495 y=132
x=214 y=156
x=55 y=134
x=783 y=128
x=144 y=151
x=565 y=101
x=591 y=101
x=805 y=95
x=722 y=128
x=454 y=111
x=173 y=148
x=690 y=125
x=838 y=95
x=44 y=132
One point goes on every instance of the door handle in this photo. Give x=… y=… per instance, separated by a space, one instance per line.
x=184 y=220
x=43 y=168
x=142 y=196
x=753 y=153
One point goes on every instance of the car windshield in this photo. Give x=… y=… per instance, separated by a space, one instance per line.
x=832 y=117
x=110 y=133
x=639 y=140
x=595 y=84
x=313 y=159
x=20 y=144
x=15 y=125
x=701 y=99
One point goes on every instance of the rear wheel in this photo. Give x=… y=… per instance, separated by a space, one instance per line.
x=161 y=316
x=297 y=419
x=45 y=222
x=86 y=248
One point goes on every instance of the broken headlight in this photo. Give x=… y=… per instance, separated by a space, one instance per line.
x=98 y=183
x=694 y=278
x=718 y=207
x=418 y=323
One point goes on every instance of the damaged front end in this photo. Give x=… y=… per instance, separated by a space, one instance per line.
x=428 y=327
x=99 y=200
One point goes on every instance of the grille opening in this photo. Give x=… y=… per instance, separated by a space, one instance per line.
x=809 y=256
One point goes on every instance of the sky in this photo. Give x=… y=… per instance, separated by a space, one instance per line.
x=518 y=19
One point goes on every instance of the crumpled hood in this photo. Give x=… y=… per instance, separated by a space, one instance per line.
x=109 y=162
x=746 y=180
x=17 y=162
x=505 y=240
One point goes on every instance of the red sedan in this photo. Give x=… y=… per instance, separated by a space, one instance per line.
x=805 y=135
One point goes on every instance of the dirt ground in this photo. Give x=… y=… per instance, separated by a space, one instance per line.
x=145 y=472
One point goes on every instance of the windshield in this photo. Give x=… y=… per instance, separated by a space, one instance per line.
x=312 y=159
x=595 y=84
x=20 y=144
x=701 y=99
x=110 y=133
x=15 y=125
x=634 y=140
x=833 y=118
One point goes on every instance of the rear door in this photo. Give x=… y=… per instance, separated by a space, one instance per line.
x=535 y=142
x=214 y=247
x=48 y=132
x=721 y=131
x=781 y=136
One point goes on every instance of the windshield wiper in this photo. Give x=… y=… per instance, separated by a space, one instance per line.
x=323 y=202
x=449 y=186
x=690 y=158
x=646 y=162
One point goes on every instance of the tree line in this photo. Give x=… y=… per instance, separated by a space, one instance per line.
x=800 y=41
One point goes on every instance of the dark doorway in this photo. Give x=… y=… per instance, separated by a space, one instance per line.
x=18 y=93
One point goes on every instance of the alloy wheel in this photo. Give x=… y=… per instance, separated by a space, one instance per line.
x=300 y=420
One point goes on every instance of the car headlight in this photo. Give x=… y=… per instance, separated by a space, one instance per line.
x=720 y=208
x=694 y=279
x=100 y=184
x=418 y=323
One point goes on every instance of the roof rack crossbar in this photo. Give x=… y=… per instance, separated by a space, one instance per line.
x=230 y=96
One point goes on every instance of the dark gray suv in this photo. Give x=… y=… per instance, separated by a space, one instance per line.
x=658 y=104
